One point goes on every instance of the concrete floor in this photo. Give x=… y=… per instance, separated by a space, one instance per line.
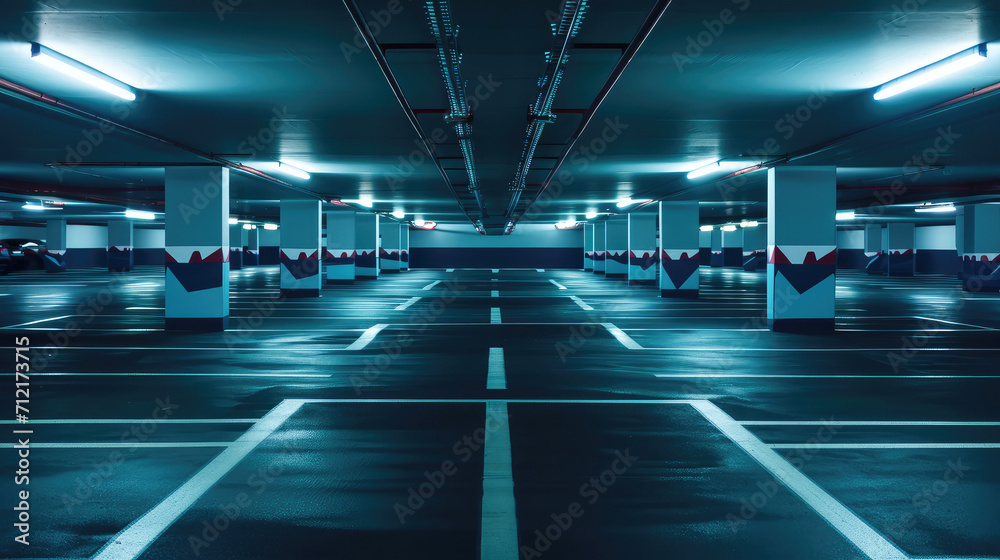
x=505 y=414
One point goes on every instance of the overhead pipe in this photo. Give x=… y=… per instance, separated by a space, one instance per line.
x=56 y=104
x=397 y=90
x=541 y=114
x=627 y=56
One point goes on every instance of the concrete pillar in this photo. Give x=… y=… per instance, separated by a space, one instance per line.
x=960 y=240
x=54 y=256
x=754 y=249
x=981 y=248
x=902 y=258
x=588 y=247
x=616 y=235
x=679 y=259
x=717 y=255
x=366 y=238
x=236 y=246
x=389 y=251
x=197 y=248
x=600 y=245
x=404 y=246
x=641 y=249
x=120 y=236
x=251 y=256
x=873 y=240
x=341 y=249
x=301 y=248
x=732 y=247
x=802 y=248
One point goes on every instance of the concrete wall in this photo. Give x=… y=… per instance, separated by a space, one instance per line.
x=529 y=246
x=934 y=245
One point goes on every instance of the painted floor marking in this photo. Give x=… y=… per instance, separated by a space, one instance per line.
x=581 y=303
x=954 y=323
x=625 y=339
x=409 y=302
x=498 y=537
x=450 y=270
x=862 y=423
x=866 y=539
x=540 y=269
x=496 y=270
x=495 y=293
x=557 y=284
x=495 y=316
x=121 y=445
x=366 y=338
x=820 y=446
x=431 y=285
x=791 y=376
x=147 y=374
x=138 y=421
x=38 y=321
x=134 y=539
x=497 y=375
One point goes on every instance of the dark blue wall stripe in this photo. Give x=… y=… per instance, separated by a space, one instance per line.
x=496 y=258
x=937 y=262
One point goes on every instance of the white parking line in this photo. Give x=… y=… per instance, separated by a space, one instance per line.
x=954 y=323
x=862 y=423
x=619 y=334
x=431 y=285
x=540 y=269
x=134 y=539
x=496 y=270
x=147 y=374
x=408 y=303
x=138 y=421
x=581 y=303
x=366 y=338
x=557 y=284
x=450 y=270
x=496 y=377
x=495 y=293
x=790 y=376
x=498 y=537
x=819 y=446
x=39 y=321
x=868 y=540
x=495 y=315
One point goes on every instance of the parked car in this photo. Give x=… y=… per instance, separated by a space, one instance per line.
x=21 y=254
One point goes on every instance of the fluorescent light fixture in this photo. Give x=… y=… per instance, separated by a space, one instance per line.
x=625 y=202
x=247 y=226
x=702 y=171
x=30 y=206
x=591 y=215
x=293 y=171
x=937 y=208
x=271 y=227
x=80 y=71
x=749 y=223
x=233 y=221
x=729 y=227
x=707 y=228
x=566 y=224
x=745 y=164
x=419 y=223
x=139 y=215
x=399 y=214
x=843 y=216
x=932 y=72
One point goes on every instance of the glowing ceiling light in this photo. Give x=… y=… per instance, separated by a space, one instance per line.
x=936 y=208
x=293 y=171
x=140 y=215
x=843 y=216
x=271 y=227
x=729 y=227
x=399 y=214
x=707 y=228
x=247 y=226
x=80 y=71
x=591 y=215
x=233 y=221
x=749 y=223
x=936 y=71
x=419 y=223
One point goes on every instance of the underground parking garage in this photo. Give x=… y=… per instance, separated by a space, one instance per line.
x=445 y=279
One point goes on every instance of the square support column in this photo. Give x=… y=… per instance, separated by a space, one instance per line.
x=404 y=246
x=366 y=266
x=236 y=246
x=679 y=258
x=301 y=248
x=718 y=259
x=878 y=262
x=960 y=241
x=802 y=248
x=251 y=255
x=641 y=249
x=600 y=244
x=340 y=248
x=588 y=247
x=902 y=258
x=120 y=243
x=754 y=249
x=389 y=251
x=616 y=235
x=197 y=248
x=981 y=258
x=54 y=255
x=732 y=248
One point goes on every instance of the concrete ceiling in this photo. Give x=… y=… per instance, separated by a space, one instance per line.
x=716 y=79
